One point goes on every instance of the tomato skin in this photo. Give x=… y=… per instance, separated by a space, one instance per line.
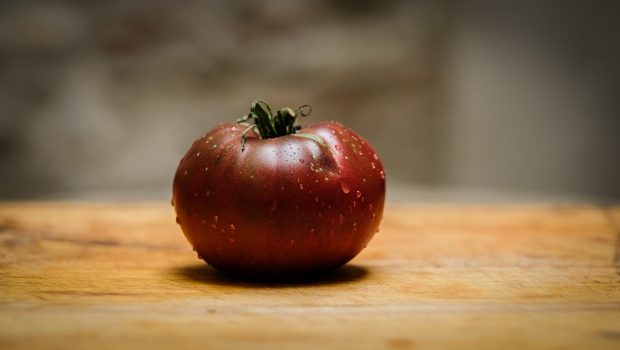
x=291 y=204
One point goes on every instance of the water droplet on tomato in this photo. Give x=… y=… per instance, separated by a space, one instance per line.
x=375 y=156
x=338 y=147
x=208 y=193
x=382 y=174
x=216 y=219
x=374 y=215
x=358 y=193
x=341 y=219
x=231 y=227
x=301 y=186
x=231 y=240
x=292 y=241
x=344 y=187
x=316 y=199
x=372 y=164
x=197 y=154
x=207 y=169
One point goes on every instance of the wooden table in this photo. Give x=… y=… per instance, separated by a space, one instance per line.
x=100 y=276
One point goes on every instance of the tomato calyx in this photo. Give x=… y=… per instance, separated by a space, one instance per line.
x=269 y=125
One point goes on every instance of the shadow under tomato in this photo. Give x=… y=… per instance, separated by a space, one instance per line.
x=208 y=274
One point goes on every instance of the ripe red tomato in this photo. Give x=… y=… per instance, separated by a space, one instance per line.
x=274 y=198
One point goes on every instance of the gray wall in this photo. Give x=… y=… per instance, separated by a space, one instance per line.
x=463 y=101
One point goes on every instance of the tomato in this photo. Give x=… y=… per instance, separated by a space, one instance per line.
x=273 y=198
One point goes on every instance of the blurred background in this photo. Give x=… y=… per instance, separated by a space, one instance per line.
x=464 y=101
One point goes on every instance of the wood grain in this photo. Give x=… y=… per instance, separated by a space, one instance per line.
x=78 y=275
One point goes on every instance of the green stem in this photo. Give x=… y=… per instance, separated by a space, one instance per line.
x=270 y=125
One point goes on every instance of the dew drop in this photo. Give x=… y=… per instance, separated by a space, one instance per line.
x=358 y=193
x=216 y=219
x=375 y=156
x=373 y=165
x=231 y=227
x=185 y=173
x=301 y=186
x=207 y=169
x=316 y=199
x=338 y=147
x=374 y=215
x=382 y=174
x=311 y=230
x=231 y=240
x=208 y=193
x=197 y=154
x=213 y=225
x=370 y=206
x=292 y=241
x=341 y=219
x=344 y=187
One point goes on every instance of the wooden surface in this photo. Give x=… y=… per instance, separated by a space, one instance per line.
x=122 y=276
